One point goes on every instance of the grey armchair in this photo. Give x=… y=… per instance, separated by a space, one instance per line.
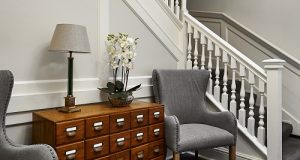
x=188 y=125
x=8 y=149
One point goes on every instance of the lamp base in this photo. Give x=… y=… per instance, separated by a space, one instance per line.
x=69 y=105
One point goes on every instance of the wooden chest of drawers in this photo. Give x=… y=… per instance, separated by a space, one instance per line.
x=101 y=132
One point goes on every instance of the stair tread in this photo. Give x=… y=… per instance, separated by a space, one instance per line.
x=286 y=130
x=291 y=149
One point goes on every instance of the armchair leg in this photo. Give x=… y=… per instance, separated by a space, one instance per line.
x=232 y=152
x=196 y=154
x=176 y=156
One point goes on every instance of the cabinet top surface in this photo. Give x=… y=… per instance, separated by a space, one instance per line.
x=90 y=110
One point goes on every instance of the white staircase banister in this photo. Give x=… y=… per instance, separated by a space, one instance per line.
x=233 y=52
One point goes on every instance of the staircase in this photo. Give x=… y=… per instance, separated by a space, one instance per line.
x=290 y=143
x=237 y=84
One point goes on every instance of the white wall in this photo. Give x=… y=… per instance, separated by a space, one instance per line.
x=28 y=26
x=26 y=30
x=275 y=20
x=149 y=55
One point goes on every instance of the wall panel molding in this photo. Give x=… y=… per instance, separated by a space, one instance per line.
x=35 y=95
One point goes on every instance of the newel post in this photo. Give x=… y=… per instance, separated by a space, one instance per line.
x=274 y=68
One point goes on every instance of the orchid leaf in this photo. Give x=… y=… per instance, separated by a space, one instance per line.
x=106 y=90
x=135 y=88
x=111 y=87
x=119 y=86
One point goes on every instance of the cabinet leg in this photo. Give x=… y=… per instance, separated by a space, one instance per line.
x=176 y=156
x=196 y=154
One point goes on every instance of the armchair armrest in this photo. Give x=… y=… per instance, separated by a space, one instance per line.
x=32 y=152
x=224 y=120
x=172 y=132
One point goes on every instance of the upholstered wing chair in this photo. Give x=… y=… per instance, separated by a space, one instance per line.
x=189 y=126
x=8 y=149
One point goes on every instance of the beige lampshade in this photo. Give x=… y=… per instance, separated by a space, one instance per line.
x=70 y=37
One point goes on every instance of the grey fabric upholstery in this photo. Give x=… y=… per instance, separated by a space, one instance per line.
x=8 y=149
x=188 y=124
x=196 y=136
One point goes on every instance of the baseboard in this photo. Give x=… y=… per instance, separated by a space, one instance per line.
x=238 y=154
x=217 y=154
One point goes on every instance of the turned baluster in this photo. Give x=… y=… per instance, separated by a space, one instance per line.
x=225 y=78
x=167 y=2
x=196 y=37
x=189 y=57
x=177 y=9
x=261 y=128
x=251 y=120
x=203 y=43
x=183 y=6
x=217 y=90
x=172 y=5
x=242 y=111
x=210 y=49
x=233 y=87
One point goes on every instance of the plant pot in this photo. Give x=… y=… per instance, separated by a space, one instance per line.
x=120 y=100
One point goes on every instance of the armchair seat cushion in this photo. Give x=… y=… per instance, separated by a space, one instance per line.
x=199 y=136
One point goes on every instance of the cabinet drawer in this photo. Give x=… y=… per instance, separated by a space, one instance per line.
x=139 y=136
x=97 y=147
x=119 y=122
x=139 y=118
x=156 y=149
x=156 y=115
x=96 y=126
x=159 y=158
x=71 y=151
x=69 y=131
x=103 y=158
x=119 y=141
x=156 y=132
x=124 y=155
x=140 y=153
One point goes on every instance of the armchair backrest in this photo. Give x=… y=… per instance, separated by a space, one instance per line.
x=6 y=85
x=182 y=92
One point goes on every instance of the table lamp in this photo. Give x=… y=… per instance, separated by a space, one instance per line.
x=70 y=38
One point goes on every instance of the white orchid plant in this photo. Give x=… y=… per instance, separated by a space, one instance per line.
x=122 y=52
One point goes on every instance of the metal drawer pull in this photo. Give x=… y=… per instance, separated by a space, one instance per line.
x=121 y=141
x=156 y=150
x=140 y=118
x=120 y=122
x=98 y=126
x=156 y=132
x=140 y=155
x=140 y=136
x=71 y=131
x=156 y=115
x=97 y=147
x=70 y=154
